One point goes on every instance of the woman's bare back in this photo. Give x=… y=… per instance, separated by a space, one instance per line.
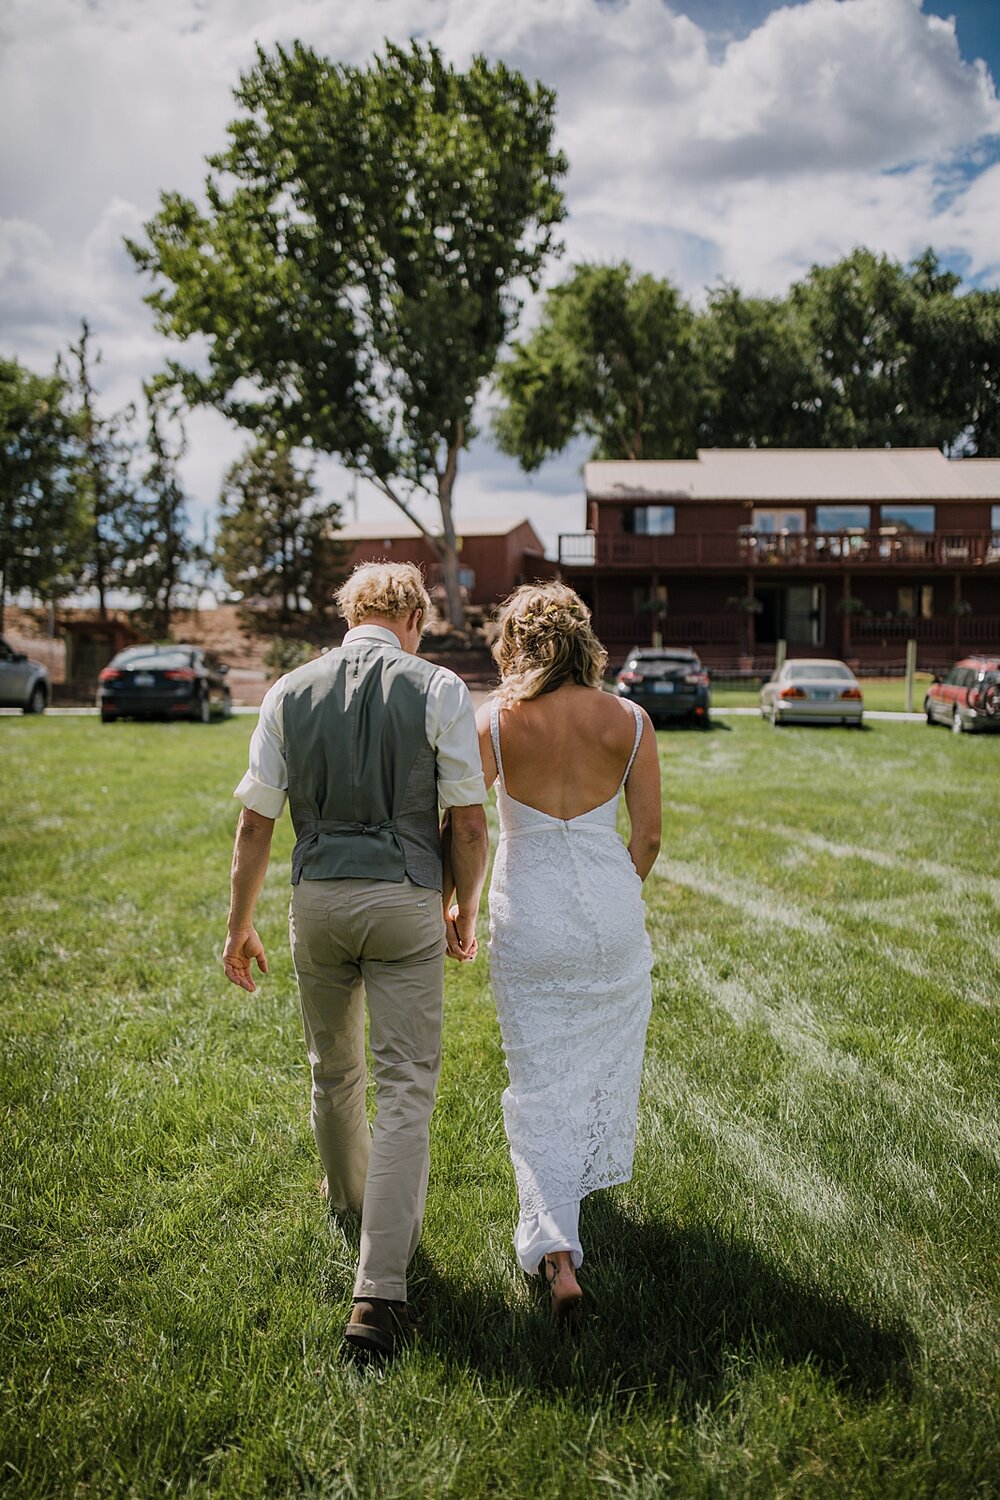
x=564 y=753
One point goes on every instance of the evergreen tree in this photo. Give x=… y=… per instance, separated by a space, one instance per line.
x=40 y=521
x=103 y=472
x=160 y=555
x=273 y=542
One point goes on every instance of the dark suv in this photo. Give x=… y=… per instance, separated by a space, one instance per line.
x=668 y=684
x=969 y=697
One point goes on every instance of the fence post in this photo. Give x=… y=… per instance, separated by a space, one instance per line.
x=911 y=672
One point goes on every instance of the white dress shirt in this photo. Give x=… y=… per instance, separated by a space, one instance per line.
x=450 y=727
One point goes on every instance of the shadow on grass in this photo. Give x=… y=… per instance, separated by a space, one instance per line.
x=669 y=1309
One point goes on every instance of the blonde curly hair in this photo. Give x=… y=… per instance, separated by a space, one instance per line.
x=388 y=589
x=545 y=640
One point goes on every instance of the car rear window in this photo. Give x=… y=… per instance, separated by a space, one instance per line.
x=650 y=660
x=822 y=671
x=160 y=661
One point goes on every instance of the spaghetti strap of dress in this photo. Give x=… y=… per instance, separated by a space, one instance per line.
x=638 y=736
x=495 y=737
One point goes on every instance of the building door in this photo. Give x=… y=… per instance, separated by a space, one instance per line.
x=793 y=614
x=804 y=615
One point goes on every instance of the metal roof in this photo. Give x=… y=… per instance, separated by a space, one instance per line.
x=398 y=528
x=798 y=474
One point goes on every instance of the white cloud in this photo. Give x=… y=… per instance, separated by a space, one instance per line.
x=833 y=123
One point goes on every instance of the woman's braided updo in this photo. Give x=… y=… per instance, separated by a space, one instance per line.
x=545 y=640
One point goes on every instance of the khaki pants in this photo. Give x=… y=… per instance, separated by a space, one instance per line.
x=351 y=938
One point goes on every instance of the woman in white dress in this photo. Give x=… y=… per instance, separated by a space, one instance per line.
x=570 y=958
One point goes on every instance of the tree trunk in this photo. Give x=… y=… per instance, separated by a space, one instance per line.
x=447 y=547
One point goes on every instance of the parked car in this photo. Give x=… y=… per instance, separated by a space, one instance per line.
x=813 y=692
x=968 y=697
x=668 y=684
x=157 y=682
x=24 y=683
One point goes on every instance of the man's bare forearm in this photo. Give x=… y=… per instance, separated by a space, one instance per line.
x=251 y=853
x=470 y=850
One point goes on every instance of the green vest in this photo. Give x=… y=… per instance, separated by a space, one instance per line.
x=362 y=776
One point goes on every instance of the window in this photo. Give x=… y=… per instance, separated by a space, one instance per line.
x=995 y=518
x=843 y=517
x=916 y=601
x=779 y=520
x=913 y=518
x=824 y=671
x=649 y=520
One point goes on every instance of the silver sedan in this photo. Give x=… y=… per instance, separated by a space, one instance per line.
x=813 y=692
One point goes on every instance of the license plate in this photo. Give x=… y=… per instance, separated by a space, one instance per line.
x=143 y=679
x=663 y=687
x=823 y=695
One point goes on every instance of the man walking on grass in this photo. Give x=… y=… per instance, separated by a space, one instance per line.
x=364 y=744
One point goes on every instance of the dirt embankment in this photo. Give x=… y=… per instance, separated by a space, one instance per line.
x=225 y=631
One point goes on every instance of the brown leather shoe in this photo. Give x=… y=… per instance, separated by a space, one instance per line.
x=378 y=1328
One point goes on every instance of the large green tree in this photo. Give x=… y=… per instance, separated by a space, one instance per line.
x=890 y=350
x=866 y=352
x=760 y=386
x=40 y=522
x=613 y=358
x=273 y=541
x=361 y=260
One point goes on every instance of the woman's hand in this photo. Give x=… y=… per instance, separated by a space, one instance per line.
x=460 y=935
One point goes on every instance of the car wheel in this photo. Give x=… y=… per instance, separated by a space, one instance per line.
x=774 y=717
x=927 y=710
x=107 y=718
x=36 y=700
x=957 y=722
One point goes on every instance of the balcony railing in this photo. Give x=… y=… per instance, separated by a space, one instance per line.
x=676 y=630
x=760 y=549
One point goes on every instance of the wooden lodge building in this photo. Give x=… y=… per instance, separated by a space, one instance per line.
x=838 y=552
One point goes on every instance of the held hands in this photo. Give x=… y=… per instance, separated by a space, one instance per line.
x=242 y=947
x=460 y=934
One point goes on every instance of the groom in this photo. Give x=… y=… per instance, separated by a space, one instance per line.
x=364 y=744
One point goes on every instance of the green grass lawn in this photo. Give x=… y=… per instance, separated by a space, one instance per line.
x=795 y=1296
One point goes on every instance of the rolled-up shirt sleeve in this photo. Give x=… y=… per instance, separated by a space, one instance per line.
x=264 y=788
x=451 y=730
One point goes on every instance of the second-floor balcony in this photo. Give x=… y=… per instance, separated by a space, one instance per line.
x=764 y=549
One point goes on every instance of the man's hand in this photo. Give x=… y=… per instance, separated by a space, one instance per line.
x=460 y=935
x=242 y=947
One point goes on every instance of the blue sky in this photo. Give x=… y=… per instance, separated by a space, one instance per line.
x=708 y=139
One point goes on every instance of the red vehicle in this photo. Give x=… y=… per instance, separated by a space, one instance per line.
x=968 y=698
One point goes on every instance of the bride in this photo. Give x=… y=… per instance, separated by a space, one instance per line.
x=569 y=956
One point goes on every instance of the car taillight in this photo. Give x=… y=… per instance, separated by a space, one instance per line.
x=851 y=693
x=631 y=677
x=109 y=675
x=975 y=697
x=697 y=679
x=180 y=674
x=793 y=692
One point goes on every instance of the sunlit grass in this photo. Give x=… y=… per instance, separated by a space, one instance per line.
x=796 y=1295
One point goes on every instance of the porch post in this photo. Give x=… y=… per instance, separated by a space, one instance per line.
x=845 y=618
x=751 y=635
x=957 y=626
x=654 y=613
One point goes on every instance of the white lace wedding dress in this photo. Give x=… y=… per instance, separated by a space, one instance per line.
x=570 y=965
